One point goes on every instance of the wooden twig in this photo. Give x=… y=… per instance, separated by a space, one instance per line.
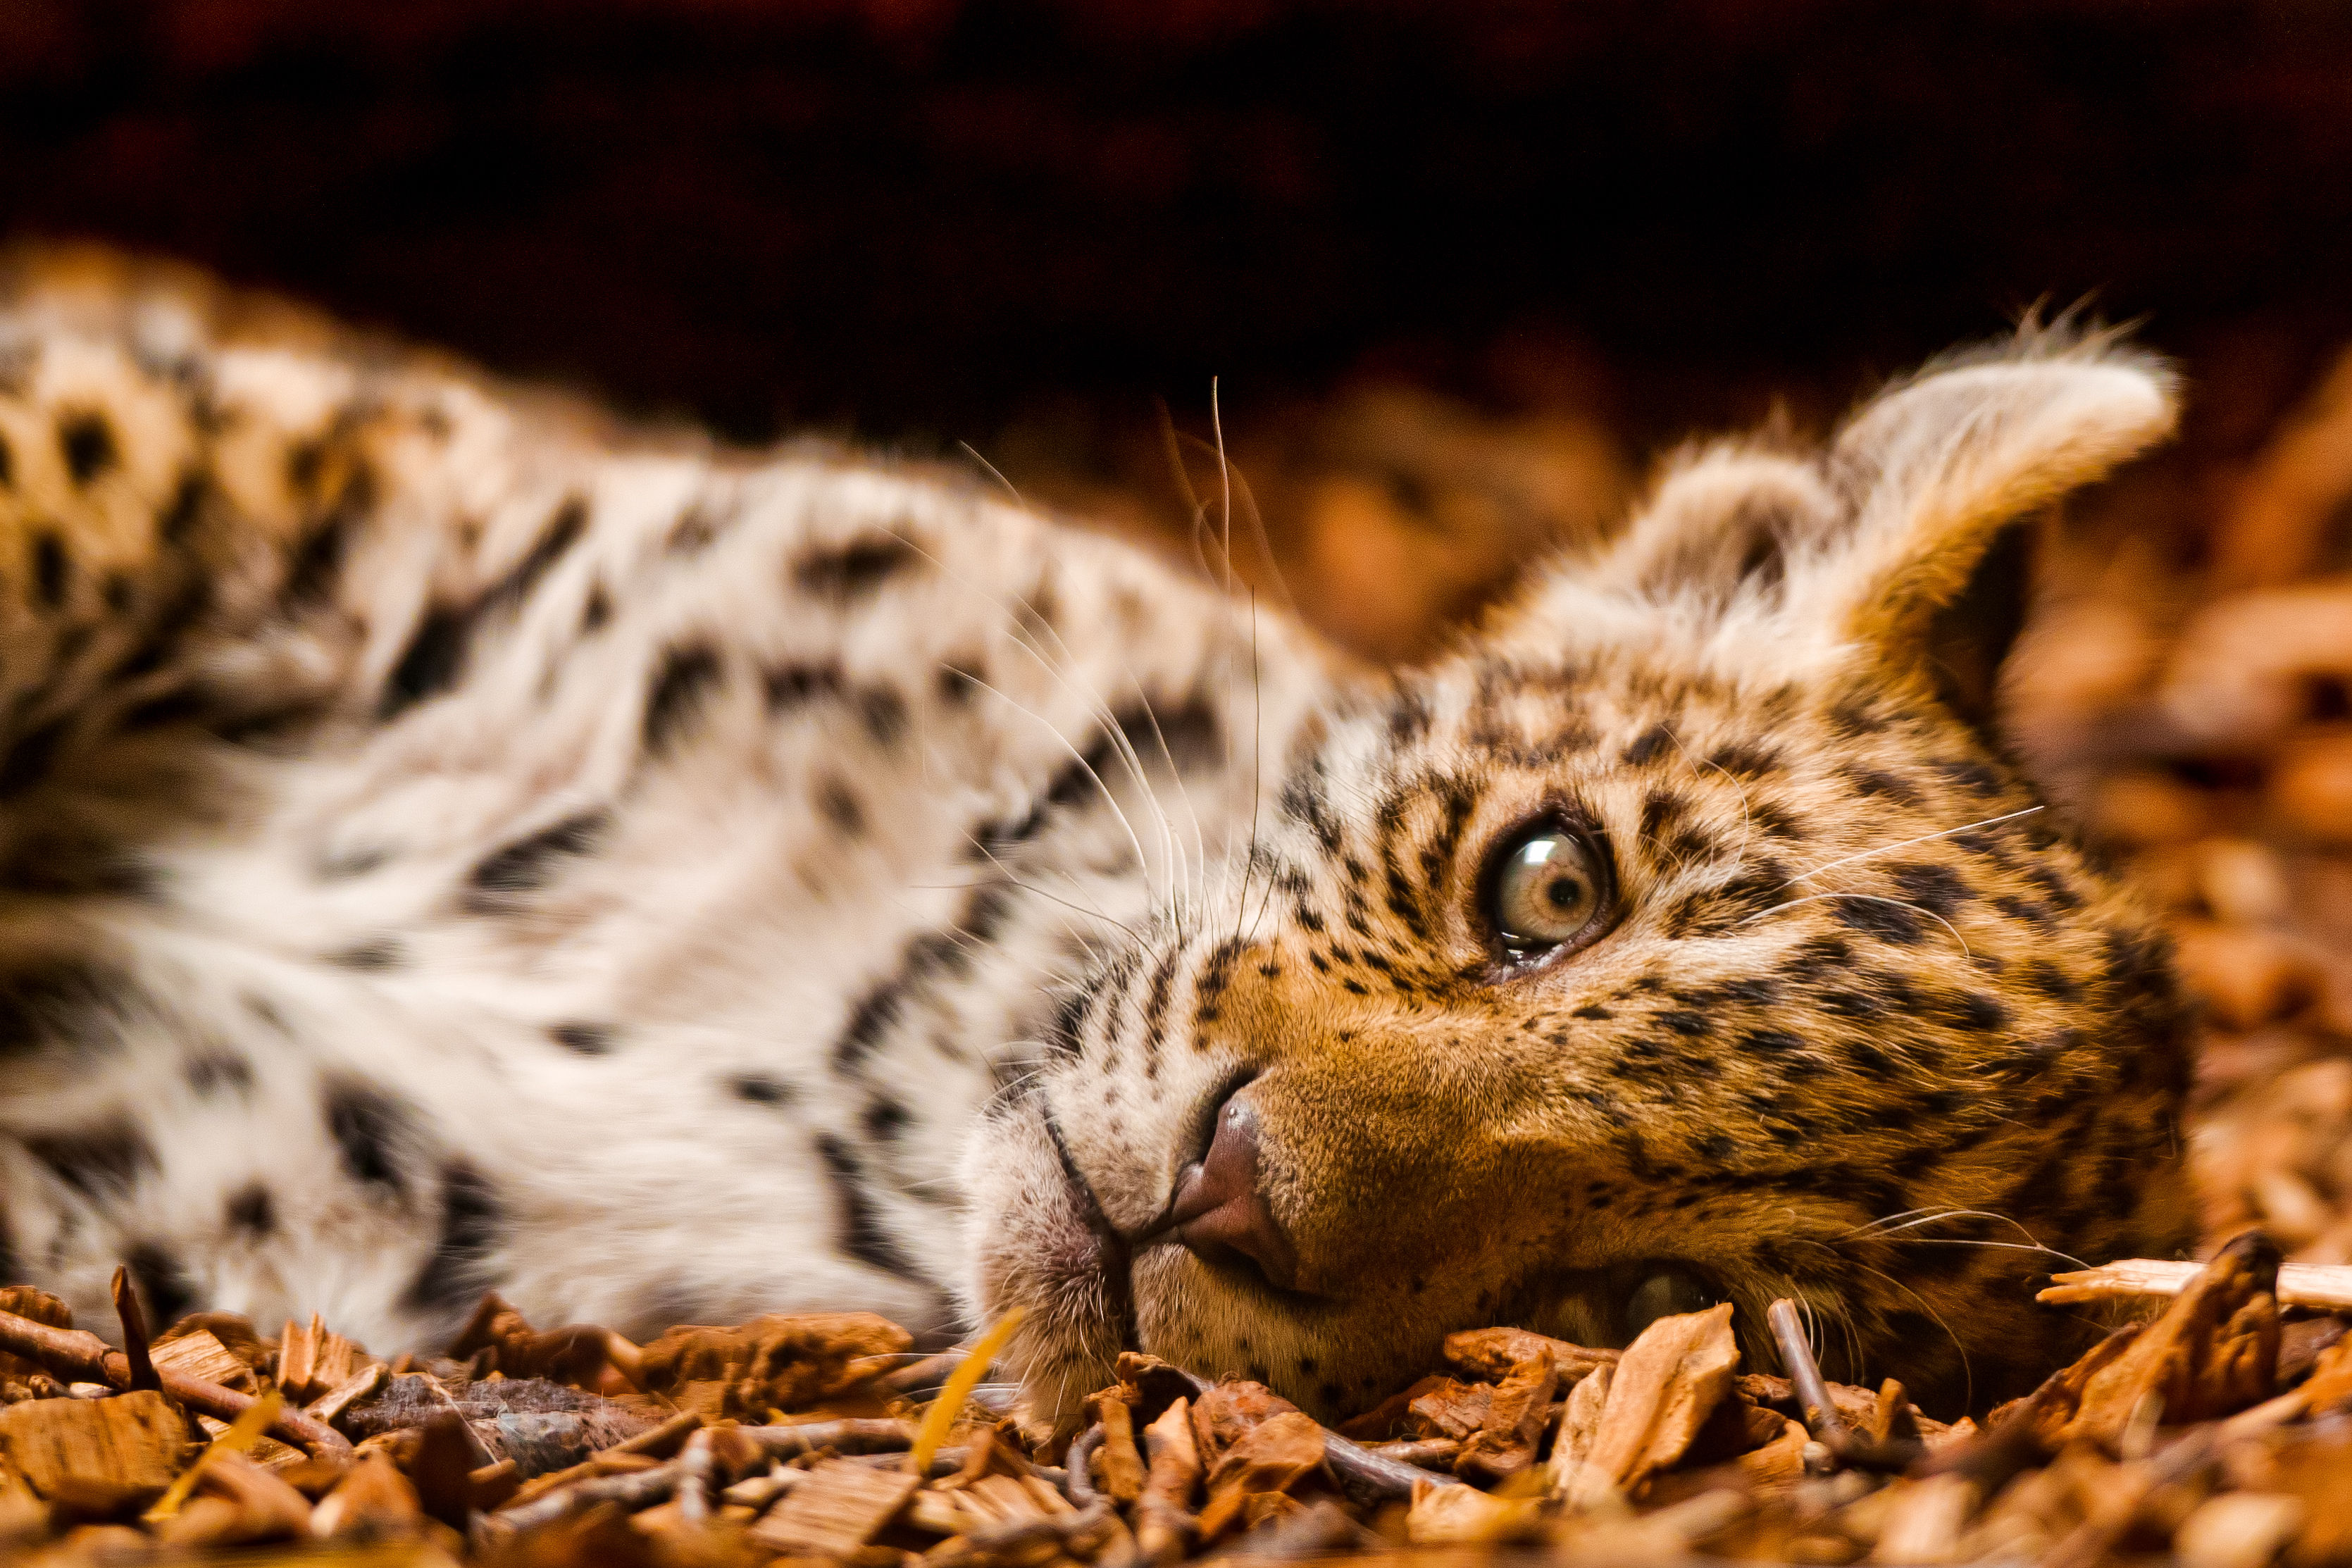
x=74 y=1355
x=1427 y=1453
x=2327 y=1287
x=1077 y=1483
x=877 y=1436
x=1813 y=1390
x=134 y=1331
x=636 y=1489
x=694 y=1465
x=1367 y=1477
x=1846 y=1446
x=915 y=1377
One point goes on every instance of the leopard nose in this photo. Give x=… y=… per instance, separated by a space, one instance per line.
x=1221 y=1209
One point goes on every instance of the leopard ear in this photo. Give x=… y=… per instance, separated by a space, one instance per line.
x=1903 y=542
x=1941 y=477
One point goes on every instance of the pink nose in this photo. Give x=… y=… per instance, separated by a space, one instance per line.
x=1219 y=1212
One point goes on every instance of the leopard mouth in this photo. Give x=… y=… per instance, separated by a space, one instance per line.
x=1115 y=1261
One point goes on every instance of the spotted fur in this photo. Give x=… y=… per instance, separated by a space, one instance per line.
x=448 y=842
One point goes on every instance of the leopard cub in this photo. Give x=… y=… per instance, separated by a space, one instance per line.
x=448 y=842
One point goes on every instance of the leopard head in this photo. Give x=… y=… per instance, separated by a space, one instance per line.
x=1686 y=934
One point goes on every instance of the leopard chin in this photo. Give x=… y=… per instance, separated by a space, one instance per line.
x=1687 y=935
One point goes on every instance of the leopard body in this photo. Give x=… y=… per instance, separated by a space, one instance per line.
x=451 y=842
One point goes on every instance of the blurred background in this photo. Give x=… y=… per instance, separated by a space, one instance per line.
x=1460 y=269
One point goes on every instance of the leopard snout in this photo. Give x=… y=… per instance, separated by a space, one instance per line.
x=1220 y=1211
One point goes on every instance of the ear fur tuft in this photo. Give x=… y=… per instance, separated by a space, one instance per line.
x=1751 y=559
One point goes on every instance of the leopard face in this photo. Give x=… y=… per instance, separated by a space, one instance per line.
x=1685 y=935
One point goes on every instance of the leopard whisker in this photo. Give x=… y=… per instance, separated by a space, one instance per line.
x=1905 y=844
x=1099 y=708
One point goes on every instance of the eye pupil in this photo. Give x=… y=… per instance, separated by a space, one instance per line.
x=1545 y=891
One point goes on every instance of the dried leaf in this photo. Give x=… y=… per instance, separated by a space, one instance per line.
x=1273 y=1456
x=1461 y=1516
x=1505 y=1444
x=1451 y=1409
x=1224 y=1415
x=1924 y=1518
x=1669 y=1383
x=1122 y=1465
x=2213 y=1352
x=1492 y=1353
x=1568 y=1473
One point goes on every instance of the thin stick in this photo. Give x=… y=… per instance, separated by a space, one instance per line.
x=1821 y=1418
x=850 y=1437
x=72 y=1356
x=134 y=1331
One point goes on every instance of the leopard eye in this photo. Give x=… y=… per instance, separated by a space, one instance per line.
x=1549 y=889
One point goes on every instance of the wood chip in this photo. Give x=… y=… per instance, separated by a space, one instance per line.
x=836 y=1508
x=97 y=1457
x=201 y=1355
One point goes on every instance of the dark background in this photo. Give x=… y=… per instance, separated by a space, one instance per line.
x=923 y=220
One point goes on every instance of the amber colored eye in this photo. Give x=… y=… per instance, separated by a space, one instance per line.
x=1548 y=890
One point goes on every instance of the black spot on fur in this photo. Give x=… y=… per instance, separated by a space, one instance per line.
x=178 y=519
x=49 y=567
x=1939 y=890
x=529 y=862
x=588 y=1039
x=1887 y=921
x=472 y=1218
x=596 y=611
x=960 y=683
x=792 y=686
x=89 y=444
x=54 y=1001
x=858 y=1227
x=436 y=655
x=688 y=673
x=760 y=1088
x=1880 y=783
x=252 y=1210
x=163 y=1284
x=376 y=954
x=693 y=534
x=1648 y=746
x=115 y=591
x=8 y=463
x=2051 y=981
x=107 y=1157
x=886 y=1118
x=430 y=663
x=214 y=1071
x=856 y=569
x=841 y=808
x=884 y=713
x=369 y=1127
